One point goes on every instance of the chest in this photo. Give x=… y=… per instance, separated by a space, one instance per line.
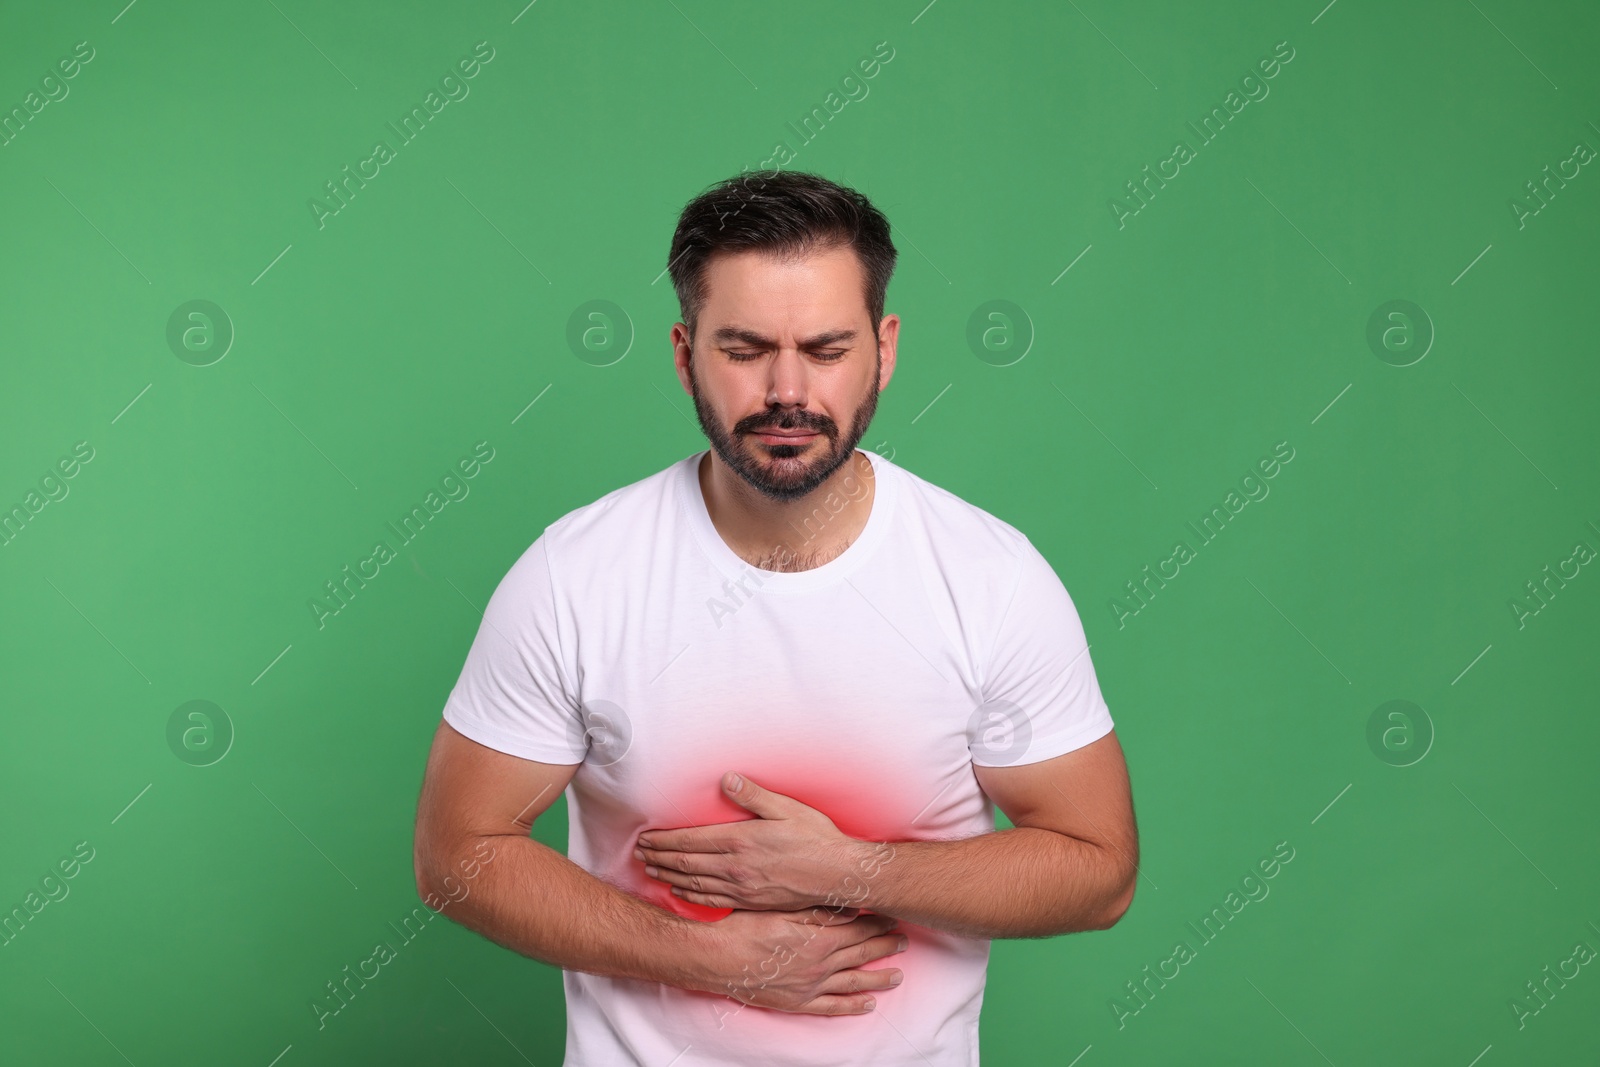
x=852 y=700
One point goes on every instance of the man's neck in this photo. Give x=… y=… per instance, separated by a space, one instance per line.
x=792 y=535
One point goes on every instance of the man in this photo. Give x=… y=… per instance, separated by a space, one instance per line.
x=785 y=684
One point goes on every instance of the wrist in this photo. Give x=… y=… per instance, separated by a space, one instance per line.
x=849 y=872
x=696 y=956
x=866 y=881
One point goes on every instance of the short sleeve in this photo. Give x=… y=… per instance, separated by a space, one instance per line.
x=1041 y=698
x=512 y=695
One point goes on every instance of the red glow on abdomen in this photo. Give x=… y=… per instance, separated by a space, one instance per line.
x=862 y=799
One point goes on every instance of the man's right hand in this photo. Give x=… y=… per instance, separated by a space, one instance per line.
x=804 y=961
x=810 y=962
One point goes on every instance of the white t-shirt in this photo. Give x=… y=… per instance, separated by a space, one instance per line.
x=631 y=639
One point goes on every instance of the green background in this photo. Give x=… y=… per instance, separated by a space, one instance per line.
x=1229 y=314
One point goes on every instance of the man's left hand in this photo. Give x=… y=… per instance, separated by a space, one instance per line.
x=790 y=857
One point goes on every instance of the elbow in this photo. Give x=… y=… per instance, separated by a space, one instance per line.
x=422 y=869
x=438 y=891
x=423 y=888
x=445 y=869
x=1119 y=904
x=430 y=861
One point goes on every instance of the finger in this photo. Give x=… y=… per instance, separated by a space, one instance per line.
x=823 y=915
x=716 y=900
x=863 y=952
x=872 y=924
x=763 y=802
x=830 y=1004
x=862 y=980
x=703 y=864
x=688 y=839
x=814 y=917
x=861 y=930
x=700 y=883
x=699 y=889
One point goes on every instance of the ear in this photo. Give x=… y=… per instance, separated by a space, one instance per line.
x=679 y=336
x=888 y=343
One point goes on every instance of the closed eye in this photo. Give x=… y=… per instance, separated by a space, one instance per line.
x=828 y=356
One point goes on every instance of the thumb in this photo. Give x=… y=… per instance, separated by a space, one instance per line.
x=751 y=797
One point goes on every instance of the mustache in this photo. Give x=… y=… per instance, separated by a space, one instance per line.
x=788 y=420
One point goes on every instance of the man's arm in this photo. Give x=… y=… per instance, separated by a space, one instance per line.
x=529 y=897
x=1069 y=863
x=476 y=864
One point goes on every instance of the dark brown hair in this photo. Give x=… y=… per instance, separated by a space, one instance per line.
x=786 y=213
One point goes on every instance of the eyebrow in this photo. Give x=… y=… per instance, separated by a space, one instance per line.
x=726 y=334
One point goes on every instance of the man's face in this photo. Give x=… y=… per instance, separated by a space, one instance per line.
x=785 y=368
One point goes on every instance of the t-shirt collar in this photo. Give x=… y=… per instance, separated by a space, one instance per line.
x=847 y=562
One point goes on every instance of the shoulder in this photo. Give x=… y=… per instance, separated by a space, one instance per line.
x=960 y=522
x=961 y=537
x=607 y=532
x=594 y=550
x=620 y=506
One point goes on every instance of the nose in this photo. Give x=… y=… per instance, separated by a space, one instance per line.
x=786 y=381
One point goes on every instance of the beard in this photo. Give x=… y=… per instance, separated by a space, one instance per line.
x=778 y=471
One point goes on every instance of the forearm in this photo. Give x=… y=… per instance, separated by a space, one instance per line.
x=1018 y=882
x=533 y=900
